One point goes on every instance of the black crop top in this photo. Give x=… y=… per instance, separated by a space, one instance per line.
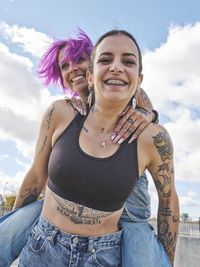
x=98 y=183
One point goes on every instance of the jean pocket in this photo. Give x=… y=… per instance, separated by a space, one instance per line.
x=36 y=243
x=109 y=257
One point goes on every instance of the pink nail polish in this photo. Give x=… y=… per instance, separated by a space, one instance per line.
x=113 y=135
x=121 y=140
x=116 y=139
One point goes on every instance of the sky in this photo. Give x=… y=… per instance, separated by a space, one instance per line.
x=168 y=32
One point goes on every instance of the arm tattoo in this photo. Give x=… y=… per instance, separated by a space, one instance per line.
x=163 y=180
x=163 y=145
x=166 y=237
x=85 y=129
x=163 y=177
x=77 y=213
x=43 y=145
x=165 y=211
x=49 y=116
x=30 y=196
x=175 y=219
x=163 y=174
x=48 y=121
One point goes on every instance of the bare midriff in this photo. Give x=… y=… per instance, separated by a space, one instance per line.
x=77 y=219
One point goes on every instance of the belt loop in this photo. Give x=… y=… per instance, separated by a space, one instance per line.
x=91 y=248
x=53 y=234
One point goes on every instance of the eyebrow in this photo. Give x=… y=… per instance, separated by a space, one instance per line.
x=124 y=54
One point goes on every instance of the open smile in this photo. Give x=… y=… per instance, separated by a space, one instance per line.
x=78 y=78
x=115 y=82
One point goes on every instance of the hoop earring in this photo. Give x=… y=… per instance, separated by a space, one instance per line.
x=90 y=97
x=134 y=101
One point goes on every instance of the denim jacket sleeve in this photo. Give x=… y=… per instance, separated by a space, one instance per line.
x=138 y=205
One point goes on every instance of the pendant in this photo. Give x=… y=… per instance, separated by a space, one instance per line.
x=103 y=143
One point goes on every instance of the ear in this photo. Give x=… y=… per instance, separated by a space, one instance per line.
x=89 y=77
x=140 y=80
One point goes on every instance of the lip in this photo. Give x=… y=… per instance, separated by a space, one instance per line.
x=77 y=78
x=122 y=82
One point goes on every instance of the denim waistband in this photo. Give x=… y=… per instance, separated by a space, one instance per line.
x=77 y=241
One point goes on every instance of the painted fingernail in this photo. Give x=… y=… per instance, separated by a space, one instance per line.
x=132 y=138
x=121 y=140
x=113 y=135
x=116 y=139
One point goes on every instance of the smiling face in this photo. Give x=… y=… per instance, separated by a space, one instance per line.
x=74 y=75
x=116 y=69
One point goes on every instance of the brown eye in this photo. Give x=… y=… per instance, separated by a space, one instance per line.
x=81 y=59
x=64 y=66
x=129 y=62
x=104 y=60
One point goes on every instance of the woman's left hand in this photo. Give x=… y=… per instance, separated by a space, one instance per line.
x=133 y=121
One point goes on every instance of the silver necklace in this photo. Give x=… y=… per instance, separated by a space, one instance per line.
x=103 y=142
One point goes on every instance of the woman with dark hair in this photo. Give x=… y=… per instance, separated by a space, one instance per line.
x=76 y=213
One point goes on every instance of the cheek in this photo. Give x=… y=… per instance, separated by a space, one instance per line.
x=65 y=77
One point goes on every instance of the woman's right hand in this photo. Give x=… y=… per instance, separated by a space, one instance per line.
x=79 y=104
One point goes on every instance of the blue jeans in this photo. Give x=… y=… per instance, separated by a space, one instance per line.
x=48 y=246
x=14 y=230
x=139 y=237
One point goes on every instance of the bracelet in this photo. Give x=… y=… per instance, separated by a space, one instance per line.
x=156 y=118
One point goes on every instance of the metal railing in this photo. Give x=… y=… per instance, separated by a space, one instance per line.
x=186 y=228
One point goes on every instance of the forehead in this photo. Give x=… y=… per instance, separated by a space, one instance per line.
x=61 y=55
x=119 y=44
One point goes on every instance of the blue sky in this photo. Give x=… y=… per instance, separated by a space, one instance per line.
x=168 y=33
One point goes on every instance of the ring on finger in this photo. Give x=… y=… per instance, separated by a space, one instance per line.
x=130 y=120
x=129 y=131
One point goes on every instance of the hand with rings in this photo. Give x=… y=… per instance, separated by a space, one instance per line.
x=133 y=122
x=79 y=104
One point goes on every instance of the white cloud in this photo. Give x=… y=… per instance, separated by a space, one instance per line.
x=5 y=156
x=172 y=79
x=188 y=201
x=22 y=101
x=29 y=39
x=192 y=194
x=171 y=72
x=9 y=185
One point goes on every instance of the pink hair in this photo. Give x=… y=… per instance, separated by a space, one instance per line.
x=48 y=68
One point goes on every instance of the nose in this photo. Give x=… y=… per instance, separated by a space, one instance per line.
x=73 y=67
x=116 y=67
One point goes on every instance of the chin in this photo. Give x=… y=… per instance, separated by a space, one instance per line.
x=81 y=89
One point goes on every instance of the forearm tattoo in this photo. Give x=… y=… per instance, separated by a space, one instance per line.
x=48 y=119
x=166 y=237
x=30 y=196
x=79 y=214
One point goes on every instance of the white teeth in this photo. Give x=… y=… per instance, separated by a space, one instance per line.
x=77 y=78
x=115 y=82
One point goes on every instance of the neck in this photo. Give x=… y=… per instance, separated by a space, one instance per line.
x=107 y=117
x=84 y=96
